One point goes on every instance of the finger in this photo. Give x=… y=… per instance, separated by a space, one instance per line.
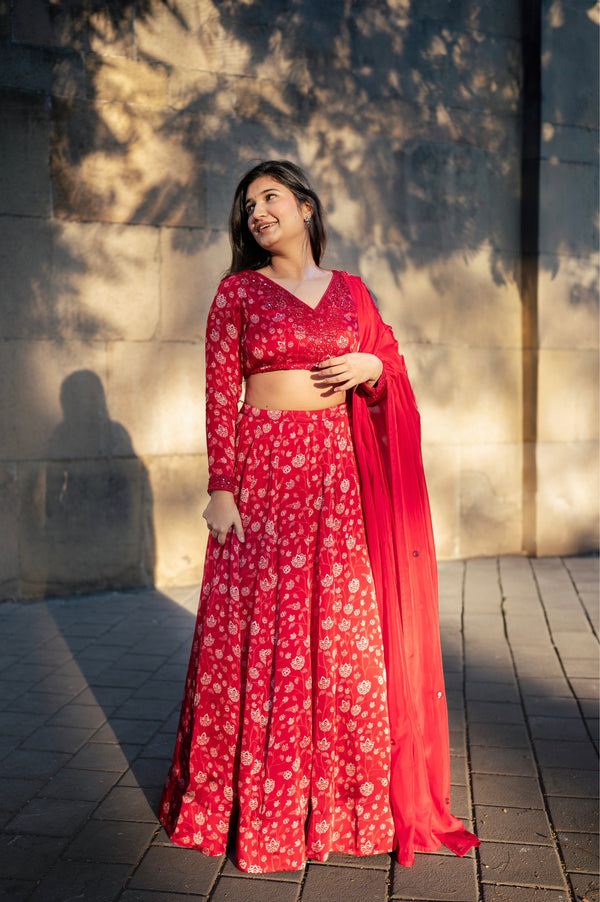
x=239 y=529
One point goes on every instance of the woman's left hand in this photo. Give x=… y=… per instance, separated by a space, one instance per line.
x=349 y=370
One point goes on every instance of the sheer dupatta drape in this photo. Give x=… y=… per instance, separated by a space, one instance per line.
x=387 y=439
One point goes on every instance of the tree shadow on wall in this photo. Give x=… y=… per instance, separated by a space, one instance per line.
x=89 y=520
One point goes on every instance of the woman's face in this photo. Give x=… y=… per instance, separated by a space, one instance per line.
x=275 y=218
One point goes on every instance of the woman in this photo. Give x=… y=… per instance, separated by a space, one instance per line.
x=314 y=716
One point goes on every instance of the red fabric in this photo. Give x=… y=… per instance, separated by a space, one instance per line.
x=285 y=699
x=387 y=438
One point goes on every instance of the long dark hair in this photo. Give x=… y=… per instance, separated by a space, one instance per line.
x=245 y=252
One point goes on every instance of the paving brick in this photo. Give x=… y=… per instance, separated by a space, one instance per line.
x=104 y=756
x=125 y=803
x=491 y=789
x=458 y=770
x=522 y=825
x=491 y=760
x=255 y=889
x=503 y=735
x=580 y=851
x=581 y=667
x=562 y=781
x=574 y=814
x=16 y=890
x=160 y=747
x=544 y=706
x=118 y=730
x=585 y=887
x=499 y=674
x=431 y=877
x=586 y=688
x=82 y=716
x=58 y=739
x=554 y=753
x=148 y=772
x=500 y=893
x=92 y=881
x=51 y=817
x=323 y=883
x=14 y=793
x=558 y=728
x=493 y=692
x=82 y=785
x=111 y=841
x=521 y=864
x=23 y=763
x=142 y=895
x=230 y=870
x=458 y=743
x=494 y=712
x=28 y=857
x=177 y=870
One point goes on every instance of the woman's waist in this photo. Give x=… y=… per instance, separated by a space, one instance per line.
x=296 y=389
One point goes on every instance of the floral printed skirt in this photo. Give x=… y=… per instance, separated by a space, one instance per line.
x=284 y=735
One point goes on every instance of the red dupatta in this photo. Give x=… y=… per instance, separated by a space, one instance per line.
x=387 y=438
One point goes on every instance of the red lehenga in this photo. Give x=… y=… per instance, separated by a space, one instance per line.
x=314 y=708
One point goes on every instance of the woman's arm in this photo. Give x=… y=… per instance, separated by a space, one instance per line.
x=223 y=392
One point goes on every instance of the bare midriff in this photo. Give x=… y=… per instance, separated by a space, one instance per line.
x=291 y=390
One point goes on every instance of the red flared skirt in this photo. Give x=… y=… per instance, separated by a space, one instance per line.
x=284 y=722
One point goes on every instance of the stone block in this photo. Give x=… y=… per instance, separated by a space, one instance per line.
x=59 y=73
x=568 y=395
x=520 y=864
x=192 y=264
x=431 y=876
x=9 y=413
x=124 y=163
x=441 y=467
x=157 y=392
x=5 y=23
x=451 y=299
x=69 y=280
x=111 y=27
x=24 y=144
x=467 y=395
x=108 y=281
x=568 y=302
x=569 y=143
x=51 y=24
x=569 y=32
x=444 y=198
x=28 y=309
x=521 y=824
x=129 y=81
x=194 y=36
x=57 y=419
x=172 y=869
x=567 y=498
x=501 y=18
x=490 y=500
x=568 y=208
x=179 y=485
x=85 y=525
x=9 y=552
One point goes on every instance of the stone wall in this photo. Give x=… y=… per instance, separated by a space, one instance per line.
x=125 y=127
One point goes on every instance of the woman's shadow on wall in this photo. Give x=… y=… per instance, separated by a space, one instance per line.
x=91 y=521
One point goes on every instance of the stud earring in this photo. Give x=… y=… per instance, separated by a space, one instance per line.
x=307 y=218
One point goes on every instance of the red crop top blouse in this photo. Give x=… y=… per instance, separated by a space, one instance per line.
x=256 y=326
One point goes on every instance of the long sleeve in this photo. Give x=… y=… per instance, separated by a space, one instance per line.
x=223 y=385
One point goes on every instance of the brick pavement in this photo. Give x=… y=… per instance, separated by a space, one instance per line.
x=90 y=689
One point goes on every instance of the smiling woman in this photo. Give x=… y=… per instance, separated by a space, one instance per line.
x=314 y=716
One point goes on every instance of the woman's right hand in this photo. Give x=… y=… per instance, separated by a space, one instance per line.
x=222 y=514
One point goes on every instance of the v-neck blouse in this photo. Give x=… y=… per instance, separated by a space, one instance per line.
x=257 y=326
x=278 y=331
